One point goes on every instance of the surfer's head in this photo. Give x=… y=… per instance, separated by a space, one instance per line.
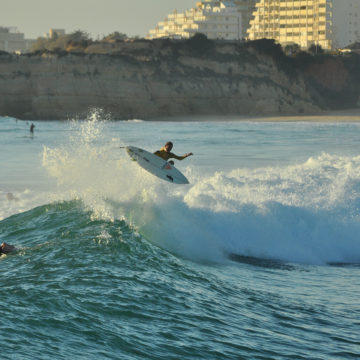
x=168 y=146
x=6 y=248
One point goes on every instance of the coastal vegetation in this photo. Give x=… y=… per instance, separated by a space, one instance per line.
x=76 y=41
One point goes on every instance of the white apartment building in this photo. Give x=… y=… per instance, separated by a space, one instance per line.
x=216 y=19
x=11 y=40
x=302 y=22
x=328 y=23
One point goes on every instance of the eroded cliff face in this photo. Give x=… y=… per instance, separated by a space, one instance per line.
x=330 y=74
x=150 y=80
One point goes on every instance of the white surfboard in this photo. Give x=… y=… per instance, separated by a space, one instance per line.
x=156 y=165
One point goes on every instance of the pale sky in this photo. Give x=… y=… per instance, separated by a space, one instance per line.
x=34 y=18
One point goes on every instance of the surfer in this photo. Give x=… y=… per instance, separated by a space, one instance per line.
x=6 y=248
x=166 y=154
x=32 y=127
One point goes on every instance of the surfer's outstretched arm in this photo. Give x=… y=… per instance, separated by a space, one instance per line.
x=166 y=154
x=182 y=157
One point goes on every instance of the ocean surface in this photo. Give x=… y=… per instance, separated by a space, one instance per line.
x=258 y=258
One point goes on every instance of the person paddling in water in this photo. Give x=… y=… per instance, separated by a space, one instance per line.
x=166 y=154
x=6 y=248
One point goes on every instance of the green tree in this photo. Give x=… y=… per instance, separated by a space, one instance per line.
x=115 y=36
x=61 y=42
x=40 y=44
x=200 y=44
x=78 y=40
x=292 y=49
x=79 y=35
x=316 y=49
x=267 y=47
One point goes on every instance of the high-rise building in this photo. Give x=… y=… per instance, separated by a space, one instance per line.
x=328 y=23
x=302 y=22
x=215 y=19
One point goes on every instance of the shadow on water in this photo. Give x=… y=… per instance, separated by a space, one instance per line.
x=278 y=264
x=344 y=264
x=265 y=263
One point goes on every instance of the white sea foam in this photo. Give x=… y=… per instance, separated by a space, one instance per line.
x=135 y=121
x=308 y=212
x=305 y=213
x=19 y=201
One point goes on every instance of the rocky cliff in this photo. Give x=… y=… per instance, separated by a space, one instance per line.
x=153 y=79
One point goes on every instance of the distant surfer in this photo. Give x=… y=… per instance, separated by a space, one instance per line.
x=166 y=154
x=32 y=127
x=10 y=196
x=6 y=248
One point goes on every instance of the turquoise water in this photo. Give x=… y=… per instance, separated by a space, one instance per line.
x=258 y=258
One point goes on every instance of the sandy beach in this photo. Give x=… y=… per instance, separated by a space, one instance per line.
x=330 y=116
x=348 y=115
